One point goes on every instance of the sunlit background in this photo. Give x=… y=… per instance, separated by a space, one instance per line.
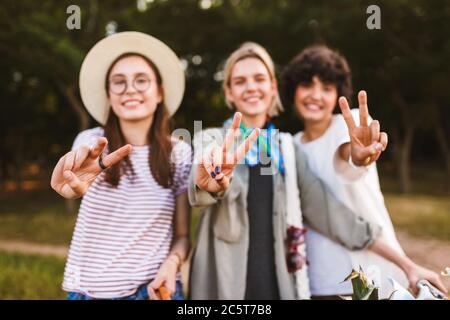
x=404 y=66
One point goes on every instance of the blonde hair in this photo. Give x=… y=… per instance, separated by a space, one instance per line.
x=252 y=50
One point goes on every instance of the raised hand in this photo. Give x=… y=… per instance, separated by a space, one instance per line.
x=213 y=174
x=366 y=141
x=77 y=169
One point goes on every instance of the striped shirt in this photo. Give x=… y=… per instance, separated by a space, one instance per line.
x=124 y=233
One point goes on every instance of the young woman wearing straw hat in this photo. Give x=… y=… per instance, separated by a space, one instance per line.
x=132 y=232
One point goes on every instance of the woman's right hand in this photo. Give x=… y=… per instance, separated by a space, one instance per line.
x=216 y=167
x=77 y=169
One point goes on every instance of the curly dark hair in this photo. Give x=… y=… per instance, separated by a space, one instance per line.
x=318 y=60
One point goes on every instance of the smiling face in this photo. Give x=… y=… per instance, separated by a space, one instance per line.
x=251 y=89
x=141 y=92
x=315 y=101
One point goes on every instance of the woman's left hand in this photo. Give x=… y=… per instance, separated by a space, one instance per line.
x=416 y=273
x=166 y=277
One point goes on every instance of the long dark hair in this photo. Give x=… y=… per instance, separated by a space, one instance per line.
x=158 y=135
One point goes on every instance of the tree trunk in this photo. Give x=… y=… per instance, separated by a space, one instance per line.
x=402 y=156
x=2 y=171
x=404 y=144
x=83 y=123
x=405 y=161
x=18 y=160
x=71 y=96
x=93 y=13
x=70 y=205
x=445 y=148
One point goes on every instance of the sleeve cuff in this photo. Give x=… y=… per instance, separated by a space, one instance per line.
x=375 y=233
x=347 y=171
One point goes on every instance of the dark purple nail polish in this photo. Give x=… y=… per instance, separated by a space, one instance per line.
x=213 y=175
x=217 y=170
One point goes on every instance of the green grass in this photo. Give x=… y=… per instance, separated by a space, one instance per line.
x=420 y=215
x=30 y=277
x=195 y=218
x=36 y=217
x=425 y=212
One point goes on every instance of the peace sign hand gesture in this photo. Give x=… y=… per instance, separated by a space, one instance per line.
x=77 y=169
x=366 y=141
x=213 y=174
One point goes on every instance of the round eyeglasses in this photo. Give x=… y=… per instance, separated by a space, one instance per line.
x=120 y=85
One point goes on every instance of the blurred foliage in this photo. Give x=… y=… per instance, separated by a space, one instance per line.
x=404 y=66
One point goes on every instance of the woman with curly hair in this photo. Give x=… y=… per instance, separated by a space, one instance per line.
x=342 y=151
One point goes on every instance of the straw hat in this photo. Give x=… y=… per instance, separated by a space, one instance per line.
x=99 y=58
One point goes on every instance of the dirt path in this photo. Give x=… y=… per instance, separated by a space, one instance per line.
x=33 y=248
x=433 y=254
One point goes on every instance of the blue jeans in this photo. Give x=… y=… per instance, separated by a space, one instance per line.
x=140 y=294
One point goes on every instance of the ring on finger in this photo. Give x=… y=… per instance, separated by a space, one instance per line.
x=101 y=164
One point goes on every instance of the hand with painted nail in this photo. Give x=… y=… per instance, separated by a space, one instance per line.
x=366 y=141
x=77 y=169
x=216 y=168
